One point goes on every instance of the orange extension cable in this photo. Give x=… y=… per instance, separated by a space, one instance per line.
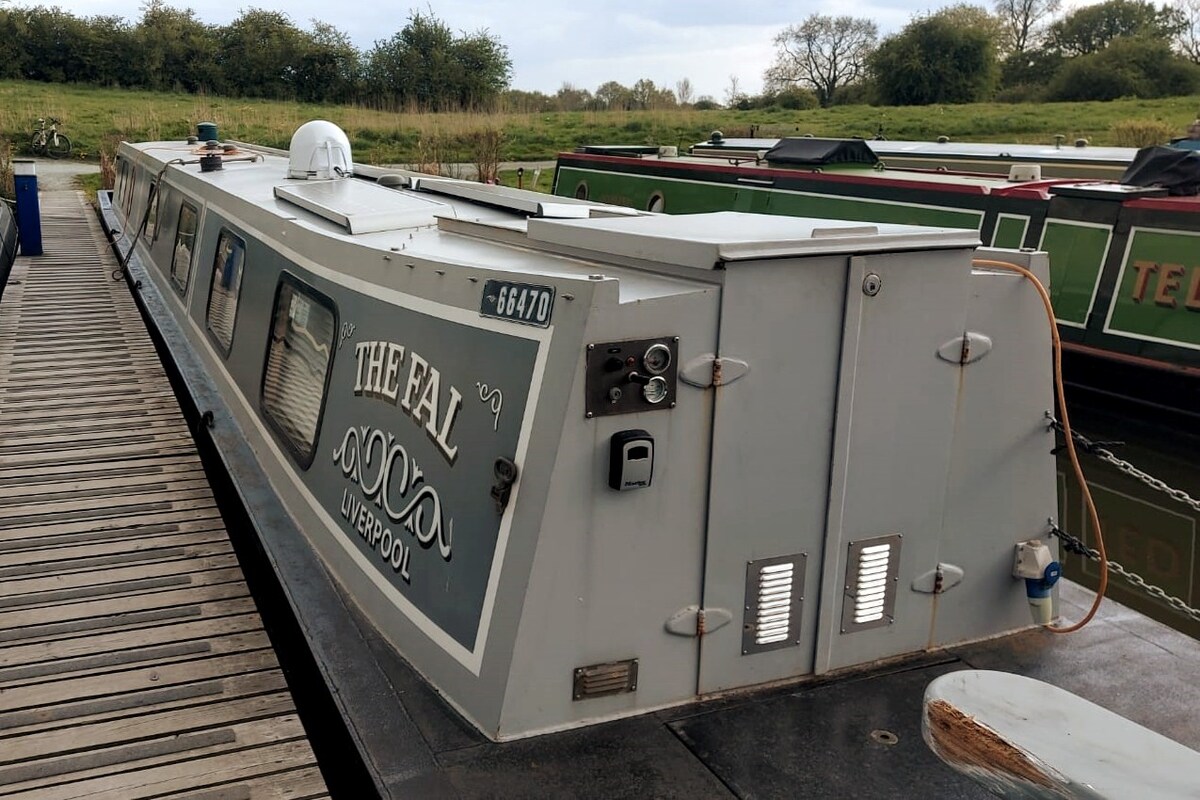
x=1066 y=424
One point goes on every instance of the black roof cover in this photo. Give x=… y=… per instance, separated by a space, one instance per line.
x=1177 y=171
x=821 y=151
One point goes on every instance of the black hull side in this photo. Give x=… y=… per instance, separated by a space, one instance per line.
x=1133 y=387
x=9 y=239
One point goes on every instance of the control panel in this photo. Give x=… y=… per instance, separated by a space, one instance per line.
x=632 y=376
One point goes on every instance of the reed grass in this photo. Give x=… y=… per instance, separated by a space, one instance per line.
x=384 y=136
x=8 y=190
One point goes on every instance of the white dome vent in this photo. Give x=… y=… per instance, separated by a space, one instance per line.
x=320 y=150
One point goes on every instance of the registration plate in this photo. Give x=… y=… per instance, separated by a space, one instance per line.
x=519 y=302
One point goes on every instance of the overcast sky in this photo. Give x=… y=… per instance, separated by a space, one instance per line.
x=584 y=43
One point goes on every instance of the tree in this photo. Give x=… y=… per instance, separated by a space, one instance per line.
x=1188 y=40
x=1023 y=22
x=481 y=70
x=1024 y=75
x=571 y=98
x=1130 y=66
x=734 y=96
x=932 y=60
x=685 y=93
x=425 y=65
x=328 y=65
x=612 y=96
x=14 y=33
x=822 y=53
x=173 y=46
x=1092 y=28
x=260 y=50
x=645 y=95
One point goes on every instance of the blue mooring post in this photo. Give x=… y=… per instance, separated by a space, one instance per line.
x=29 y=212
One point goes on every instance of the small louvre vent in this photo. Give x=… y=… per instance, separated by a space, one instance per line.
x=871 y=569
x=598 y=680
x=774 y=596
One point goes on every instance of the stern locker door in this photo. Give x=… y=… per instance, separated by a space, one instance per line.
x=840 y=431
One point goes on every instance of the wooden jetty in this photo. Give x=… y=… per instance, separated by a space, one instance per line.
x=133 y=662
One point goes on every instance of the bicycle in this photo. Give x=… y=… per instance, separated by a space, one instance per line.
x=49 y=142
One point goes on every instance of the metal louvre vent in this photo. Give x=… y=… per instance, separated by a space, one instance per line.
x=598 y=680
x=774 y=596
x=871 y=569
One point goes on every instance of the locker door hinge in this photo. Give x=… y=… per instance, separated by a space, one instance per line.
x=697 y=621
x=711 y=370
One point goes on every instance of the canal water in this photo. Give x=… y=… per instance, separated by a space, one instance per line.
x=1145 y=530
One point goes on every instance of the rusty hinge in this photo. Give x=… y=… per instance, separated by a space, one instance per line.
x=971 y=346
x=711 y=370
x=697 y=621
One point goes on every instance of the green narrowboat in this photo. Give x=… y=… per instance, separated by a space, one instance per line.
x=1124 y=259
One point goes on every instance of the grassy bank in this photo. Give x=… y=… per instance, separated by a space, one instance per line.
x=94 y=116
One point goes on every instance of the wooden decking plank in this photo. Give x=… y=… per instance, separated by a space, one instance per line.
x=96 y=526
x=148 y=395
x=145 y=726
x=121 y=536
x=66 y=717
x=20 y=422
x=105 y=508
x=117 y=485
x=109 y=583
x=101 y=613
x=111 y=485
x=297 y=784
x=133 y=662
x=132 y=681
x=132 y=446
x=147 y=584
x=205 y=526
x=146 y=430
x=61 y=472
x=156 y=656
x=147 y=622
x=207 y=627
x=211 y=766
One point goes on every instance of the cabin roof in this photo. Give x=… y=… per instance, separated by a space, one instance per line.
x=706 y=241
x=985 y=150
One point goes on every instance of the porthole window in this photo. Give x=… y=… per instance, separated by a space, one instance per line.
x=152 y=217
x=657 y=203
x=581 y=191
x=297 y=368
x=185 y=241
x=223 y=291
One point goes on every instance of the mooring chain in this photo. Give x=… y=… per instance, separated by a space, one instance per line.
x=1073 y=544
x=1101 y=452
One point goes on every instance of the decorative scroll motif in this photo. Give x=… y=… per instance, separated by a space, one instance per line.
x=493 y=397
x=386 y=475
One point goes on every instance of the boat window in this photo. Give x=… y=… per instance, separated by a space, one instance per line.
x=130 y=183
x=123 y=186
x=657 y=203
x=185 y=239
x=581 y=191
x=297 y=368
x=224 y=288
x=152 y=217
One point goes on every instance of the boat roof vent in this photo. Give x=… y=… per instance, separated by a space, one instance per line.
x=320 y=150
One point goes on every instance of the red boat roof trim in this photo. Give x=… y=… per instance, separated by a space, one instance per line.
x=762 y=172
